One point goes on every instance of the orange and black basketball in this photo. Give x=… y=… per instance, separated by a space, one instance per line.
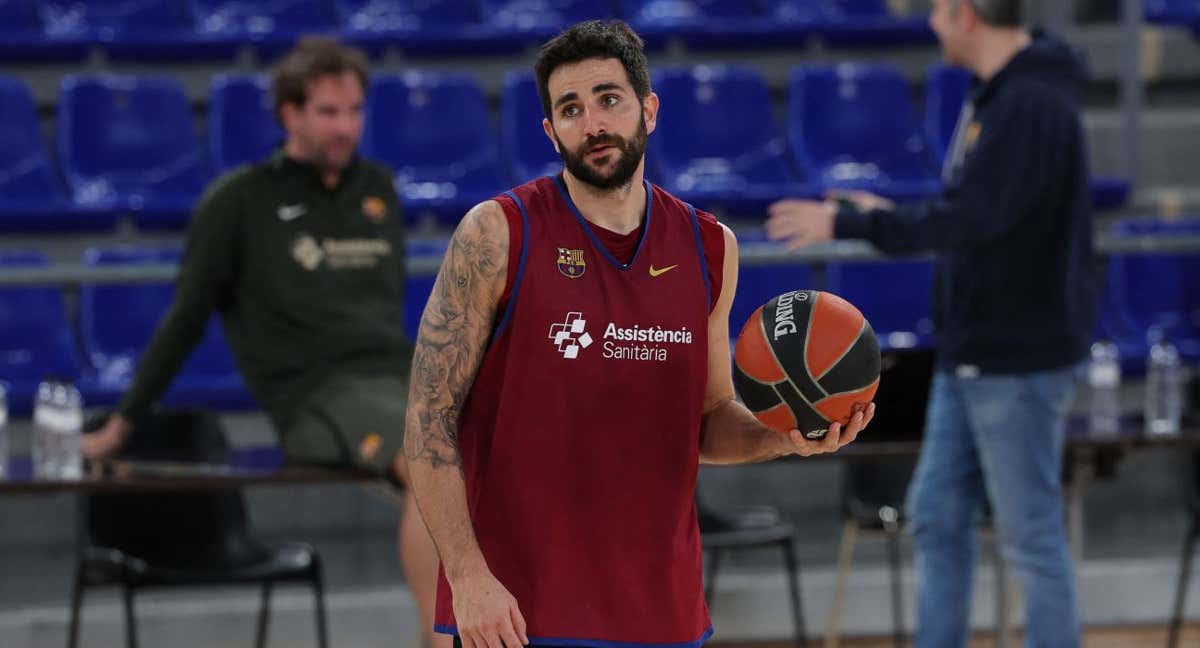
x=804 y=360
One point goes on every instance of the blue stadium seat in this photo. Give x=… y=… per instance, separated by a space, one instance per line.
x=128 y=142
x=31 y=194
x=758 y=284
x=542 y=18
x=441 y=171
x=699 y=22
x=869 y=22
x=241 y=122
x=894 y=295
x=35 y=335
x=117 y=322
x=530 y=154
x=426 y=27
x=1149 y=291
x=851 y=126
x=125 y=30
x=23 y=36
x=946 y=90
x=1172 y=12
x=717 y=144
x=271 y=26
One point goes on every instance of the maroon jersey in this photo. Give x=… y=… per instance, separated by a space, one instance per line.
x=580 y=437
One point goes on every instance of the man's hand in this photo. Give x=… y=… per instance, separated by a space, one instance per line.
x=107 y=441
x=862 y=200
x=487 y=614
x=835 y=438
x=801 y=222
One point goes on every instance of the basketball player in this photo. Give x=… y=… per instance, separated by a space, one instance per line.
x=571 y=372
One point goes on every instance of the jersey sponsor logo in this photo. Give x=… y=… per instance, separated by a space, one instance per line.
x=637 y=342
x=339 y=254
x=658 y=272
x=374 y=208
x=307 y=252
x=571 y=336
x=291 y=212
x=571 y=263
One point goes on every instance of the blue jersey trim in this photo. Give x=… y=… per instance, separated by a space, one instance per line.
x=594 y=643
x=516 y=289
x=587 y=229
x=703 y=258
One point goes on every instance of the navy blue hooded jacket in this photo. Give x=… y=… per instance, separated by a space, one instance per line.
x=1015 y=290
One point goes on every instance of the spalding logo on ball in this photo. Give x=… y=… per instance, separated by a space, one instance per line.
x=804 y=360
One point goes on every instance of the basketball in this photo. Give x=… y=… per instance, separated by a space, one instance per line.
x=804 y=360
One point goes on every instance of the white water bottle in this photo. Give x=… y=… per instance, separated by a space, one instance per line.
x=1164 y=387
x=1104 y=390
x=57 y=431
x=3 y=432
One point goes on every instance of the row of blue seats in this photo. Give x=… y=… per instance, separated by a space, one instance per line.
x=1142 y=292
x=190 y=29
x=1173 y=12
x=126 y=144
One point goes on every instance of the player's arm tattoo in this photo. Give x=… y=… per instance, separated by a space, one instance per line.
x=454 y=333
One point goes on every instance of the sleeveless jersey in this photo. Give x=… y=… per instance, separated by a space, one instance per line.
x=580 y=436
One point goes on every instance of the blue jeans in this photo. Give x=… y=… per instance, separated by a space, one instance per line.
x=998 y=437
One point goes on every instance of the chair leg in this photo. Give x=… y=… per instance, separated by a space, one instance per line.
x=710 y=578
x=833 y=629
x=893 y=547
x=264 y=616
x=131 y=640
x=1181 y=586
x=318 y=583
x=793 y=580
x=76 y=605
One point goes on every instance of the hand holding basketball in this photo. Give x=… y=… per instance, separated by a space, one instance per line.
x=836 y=438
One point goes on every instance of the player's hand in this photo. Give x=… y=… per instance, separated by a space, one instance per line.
x=801 y=222
x=487 y=614
x=836 y=438
x=863 y=201
x=107 y=441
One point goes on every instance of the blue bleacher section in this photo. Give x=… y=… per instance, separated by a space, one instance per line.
x=717 y=144
x=117 y=322
x=526 y=148
x=840 y=140
x=435 y=131
x=1172 y=12
x=895 y=296
x=128 y=143
x=946 y=91
x=35 y=335
x=241 y=125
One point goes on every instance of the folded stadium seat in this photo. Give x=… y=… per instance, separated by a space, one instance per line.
x=1172 y=12
x=424 y=27
x=131 y=30
x=700 y=23
x=717 y=145
x=440 y=172
x=527 y=149
x=946 y=89
x=1154 y=291
x=270 y=26
x=23 y=36
x=241 y=122
x=128 y=143
x=31 y=194
x=851 y=126
x=869 y=22
x=895 y=296
x=117 y=322
x=35 y=335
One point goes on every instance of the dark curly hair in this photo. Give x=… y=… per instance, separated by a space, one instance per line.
x=594 y=39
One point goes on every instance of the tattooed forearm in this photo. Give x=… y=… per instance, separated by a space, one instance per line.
x=454 y=334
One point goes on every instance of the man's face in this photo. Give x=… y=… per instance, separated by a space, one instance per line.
x=950 y=20
x=328 y=127
x=597 y=124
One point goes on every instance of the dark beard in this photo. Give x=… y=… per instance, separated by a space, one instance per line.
x=630 y=151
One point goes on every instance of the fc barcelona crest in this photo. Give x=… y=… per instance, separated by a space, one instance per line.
x=570 y=263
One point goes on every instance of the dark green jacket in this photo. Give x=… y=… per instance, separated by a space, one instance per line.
x=308 y=282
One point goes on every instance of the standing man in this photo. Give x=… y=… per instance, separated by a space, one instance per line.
x=1015 y=309
x=303 y=257
x=572 y=371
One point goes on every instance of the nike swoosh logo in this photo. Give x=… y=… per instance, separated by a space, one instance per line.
x=661 y=271
x=291 y=212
